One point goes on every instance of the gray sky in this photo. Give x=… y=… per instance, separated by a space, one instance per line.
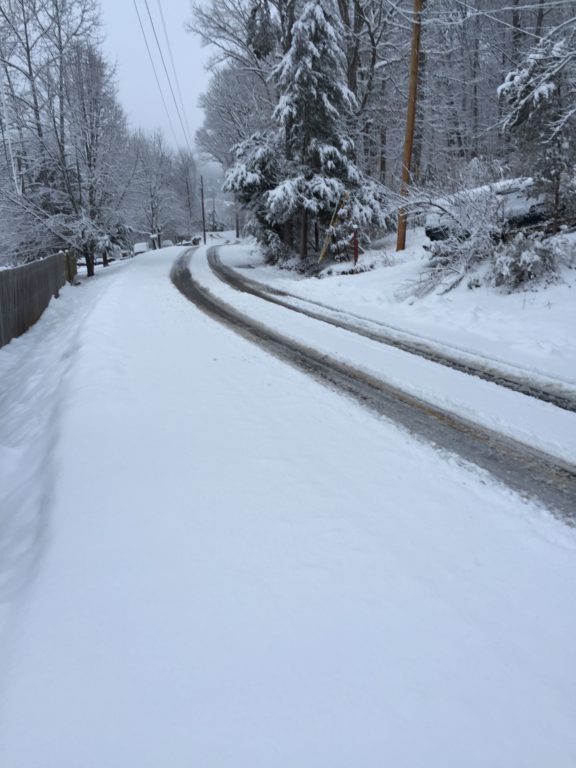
x=138 y=91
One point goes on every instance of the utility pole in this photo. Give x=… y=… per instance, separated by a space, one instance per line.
x=203 y=212
x=189 y=205
x=410 y=118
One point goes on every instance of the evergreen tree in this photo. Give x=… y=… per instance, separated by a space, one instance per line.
x=262 y=31
x=316 y=172
x=258 y=168
x=540 y=95
x=312 y=112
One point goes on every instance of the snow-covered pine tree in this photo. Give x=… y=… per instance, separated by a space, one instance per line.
x=297 y=174
x=262 y=31
x=541 y=97
x=313 y=112
x=259 y=166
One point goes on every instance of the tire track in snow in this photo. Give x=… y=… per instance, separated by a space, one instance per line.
x=529 y=472
x=555 y=392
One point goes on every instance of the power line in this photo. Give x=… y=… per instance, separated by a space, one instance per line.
x=155 y=73
x=174 y=70
x=168 y=76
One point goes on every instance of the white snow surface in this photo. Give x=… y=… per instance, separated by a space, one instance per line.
x=209 y=559
x=514 y=197
x=537 y=424
x=534 y=329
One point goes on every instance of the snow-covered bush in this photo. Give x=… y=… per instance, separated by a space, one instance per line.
x=530 y=259
x=363 y=210
x=476 y=226
x=478 y=247
x=274 y=249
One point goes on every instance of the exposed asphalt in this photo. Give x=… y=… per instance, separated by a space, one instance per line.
x=531 y=473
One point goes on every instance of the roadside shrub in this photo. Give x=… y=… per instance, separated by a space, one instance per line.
x=476 y=225
x=274 y=249
x=478 y=247
x=529 y=259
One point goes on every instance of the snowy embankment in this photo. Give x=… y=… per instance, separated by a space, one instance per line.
x=236 y=566
x=535 y=423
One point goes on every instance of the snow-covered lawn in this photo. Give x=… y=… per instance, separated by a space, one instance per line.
x=222 y=563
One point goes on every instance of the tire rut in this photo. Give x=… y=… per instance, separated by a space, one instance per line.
x=531 y=473
x=549 y=393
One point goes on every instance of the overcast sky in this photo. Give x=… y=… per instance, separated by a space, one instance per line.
x=138 y=91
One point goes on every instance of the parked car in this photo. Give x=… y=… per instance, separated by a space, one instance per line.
x=140 y=248
x=167 y=243
x=518 y=208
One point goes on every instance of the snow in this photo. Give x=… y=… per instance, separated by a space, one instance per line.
x=236 y=566
x=535 y=423
x=533 y=329
x=515 y=199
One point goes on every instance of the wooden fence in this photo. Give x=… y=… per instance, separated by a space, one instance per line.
x=25 y=291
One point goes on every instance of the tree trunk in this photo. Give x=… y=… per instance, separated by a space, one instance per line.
x=32 y=78
x=382 y=140
x=517 y=31
x=21 y=158
x=89 y=264
x=418 y=143
x=540 y=19
x=475 y=104
x=410 y=118
x=304 y=236
x=287 y=235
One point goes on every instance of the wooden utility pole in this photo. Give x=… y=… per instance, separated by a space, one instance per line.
x=189 y=199
x=410 y=118
x=203 y=211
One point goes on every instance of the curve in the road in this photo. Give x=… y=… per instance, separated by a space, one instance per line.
x=483 y=369
x=530 y=472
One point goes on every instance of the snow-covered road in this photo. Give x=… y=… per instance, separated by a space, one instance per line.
x=537 y=424
x=525 y=380
x=332 y=358
x=219 y=562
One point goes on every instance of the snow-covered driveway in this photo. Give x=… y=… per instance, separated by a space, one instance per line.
x=241 y=569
